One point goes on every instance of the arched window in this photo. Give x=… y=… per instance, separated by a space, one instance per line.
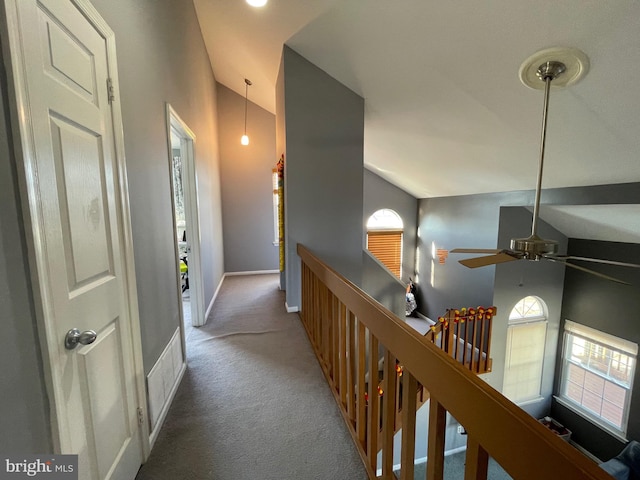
x=526 y=337
x=384 y=239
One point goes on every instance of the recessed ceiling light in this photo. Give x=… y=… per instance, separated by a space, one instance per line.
x=257 y=3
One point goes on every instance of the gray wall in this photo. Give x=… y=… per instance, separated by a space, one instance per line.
x=24 y=421
x=515 y=280
x=323 y=170
x=382 y=285
x=378 y=194
x=611 y=308
x=475 y=221
x=162 y=58
x=247 y=191
x=462 y=221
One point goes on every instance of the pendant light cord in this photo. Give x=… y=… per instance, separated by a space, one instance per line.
x=246 y=93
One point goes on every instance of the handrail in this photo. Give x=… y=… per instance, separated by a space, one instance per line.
x=345 y=327
x=465 y=335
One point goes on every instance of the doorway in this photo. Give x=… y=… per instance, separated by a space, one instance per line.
x=185 y=221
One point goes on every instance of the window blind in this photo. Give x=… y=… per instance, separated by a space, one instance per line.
x=603 y=338
x=524 y=360
x=386 y=246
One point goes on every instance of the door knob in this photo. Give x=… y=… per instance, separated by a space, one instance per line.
x=75 y=336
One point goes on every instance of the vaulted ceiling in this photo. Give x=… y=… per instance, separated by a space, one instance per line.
x=445 y=111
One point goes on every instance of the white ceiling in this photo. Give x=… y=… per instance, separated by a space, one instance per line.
x=445 y=111
x=619 y=223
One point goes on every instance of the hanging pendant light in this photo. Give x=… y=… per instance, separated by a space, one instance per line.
x=245 y=138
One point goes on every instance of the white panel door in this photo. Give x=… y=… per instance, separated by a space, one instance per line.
x=73 y=177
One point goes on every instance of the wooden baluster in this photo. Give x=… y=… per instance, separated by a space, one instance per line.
x=361 y=404
x=316 y=309
x=373 y=412
x=335 y=350
x=473 y=366
x=342 y=357
x=388 y=413
x=435 y=447
x=326 y=324
x=351 y=356
x=465 y=345
x=450 y=333
x=482 y=363
x=303 y=309
x=398 y=400
x=409 y=397
x=490 y=326
x=477 y=461
x=333 y=340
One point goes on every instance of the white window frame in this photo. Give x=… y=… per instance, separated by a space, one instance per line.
x=606 y=341
x=387 y=220
x=522 y=316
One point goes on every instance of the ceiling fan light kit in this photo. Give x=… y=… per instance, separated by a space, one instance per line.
x=563 y=67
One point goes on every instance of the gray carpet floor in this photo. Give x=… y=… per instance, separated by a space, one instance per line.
x=253 y=403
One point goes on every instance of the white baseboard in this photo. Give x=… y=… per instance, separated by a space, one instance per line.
x=292 y=309
x=162 y=384
x=252 y=272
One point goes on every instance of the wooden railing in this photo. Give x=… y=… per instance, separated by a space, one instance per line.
x=422 y=396
x=346 y=328
x=465 y=335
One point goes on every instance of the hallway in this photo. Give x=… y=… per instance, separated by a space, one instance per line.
x=254 y=403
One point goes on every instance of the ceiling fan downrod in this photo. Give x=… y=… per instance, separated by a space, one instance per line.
x=533 y=246
x=547 y=72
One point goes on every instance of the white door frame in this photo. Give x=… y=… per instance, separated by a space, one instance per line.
x=25 y=151
x=191 y=211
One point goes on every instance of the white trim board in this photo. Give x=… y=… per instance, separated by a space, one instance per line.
x=250 y=272
x=292 y=309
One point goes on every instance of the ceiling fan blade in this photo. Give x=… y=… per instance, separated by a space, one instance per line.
x=593 y=260
x=488 y=260
x=587 y=270
x=475 y=250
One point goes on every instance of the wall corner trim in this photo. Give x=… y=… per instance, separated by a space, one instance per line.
x=292 y=309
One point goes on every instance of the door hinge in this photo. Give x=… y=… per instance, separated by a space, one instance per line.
x=140 y=416
x=110 y=90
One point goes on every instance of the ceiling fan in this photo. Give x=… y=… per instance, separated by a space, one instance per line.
x=564 y=67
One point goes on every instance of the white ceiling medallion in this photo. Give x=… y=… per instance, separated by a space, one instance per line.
x=576 y=66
